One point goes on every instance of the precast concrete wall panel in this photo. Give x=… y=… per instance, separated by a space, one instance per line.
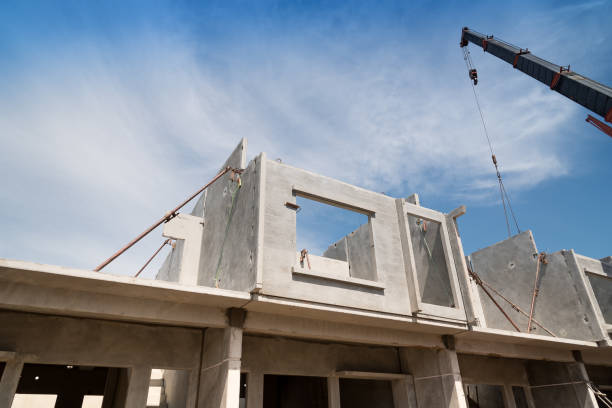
x=602 y=287
x=380 y=287
x=562 y=305
x=230 y=234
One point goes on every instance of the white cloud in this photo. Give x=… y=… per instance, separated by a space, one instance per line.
x=99 y=140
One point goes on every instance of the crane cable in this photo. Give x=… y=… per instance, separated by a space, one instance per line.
x=505 y=198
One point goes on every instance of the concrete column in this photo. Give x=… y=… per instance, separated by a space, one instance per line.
x=404 y=395
x=220 y=377
x=9 y=381
x=333 y=392
x=509 y=401
x=551 y=382
x=585 y=395
x=255 y=388
x=451 y=378
x=138 y=387
x=529 y=395
x=192 y=389
x=437 y=379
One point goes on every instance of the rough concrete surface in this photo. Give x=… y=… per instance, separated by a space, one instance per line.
x=561 y=304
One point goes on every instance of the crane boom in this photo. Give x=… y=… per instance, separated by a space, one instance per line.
x=584 y=91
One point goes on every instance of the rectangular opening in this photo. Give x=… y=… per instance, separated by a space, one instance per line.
x=243 y=390
x=357 y=393
x=433 y=275
x=336 y=232
x=288 y=391
x=602 y=288
x=484 y=396
x=34 y=401
x=45 y=385
x=92 y=401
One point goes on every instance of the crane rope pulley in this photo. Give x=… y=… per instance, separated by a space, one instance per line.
x=505 y=198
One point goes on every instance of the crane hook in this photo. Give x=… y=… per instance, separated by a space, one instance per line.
x=474 y=75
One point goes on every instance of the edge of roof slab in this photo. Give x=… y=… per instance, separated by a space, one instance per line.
x=56 y=290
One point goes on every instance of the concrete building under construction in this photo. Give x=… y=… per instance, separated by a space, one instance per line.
x=394 y=314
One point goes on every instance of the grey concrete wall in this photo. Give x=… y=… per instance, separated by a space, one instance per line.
x=492 y=370
x=77 y=341
x=599 y=275
x=471 y=300
x=280 y=250
x=558 y=385
x=602 y=287
x=356 y=248
x=361 y=255
x=337 y=250
x=294 y=357
x=170 y=269
x=220 y=373
x=433 y=274
x=176 y=387
x=437 y=378
x=230 y=235
x=562 y=304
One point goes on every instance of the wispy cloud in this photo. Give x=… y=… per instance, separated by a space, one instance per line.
x=99 y=139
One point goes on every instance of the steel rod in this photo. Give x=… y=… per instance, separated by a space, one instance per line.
x=152 y=256
x=169 y=215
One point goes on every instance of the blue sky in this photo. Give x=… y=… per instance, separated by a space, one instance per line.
x=113 y=112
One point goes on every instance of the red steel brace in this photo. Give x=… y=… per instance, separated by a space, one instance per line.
x=485 y=42
x=516 y=56
x=557 y=77
x=600 y=125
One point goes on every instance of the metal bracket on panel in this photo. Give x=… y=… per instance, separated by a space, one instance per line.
x=518 y=54
x=293 y=206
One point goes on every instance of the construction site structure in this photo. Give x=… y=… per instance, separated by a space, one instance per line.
x=584 y=91
x=394 y=314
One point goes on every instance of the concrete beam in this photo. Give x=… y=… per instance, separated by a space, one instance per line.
x=74 y=341
x=138 y=387
x=278 y=325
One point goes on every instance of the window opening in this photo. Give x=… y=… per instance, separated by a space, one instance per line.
x=60 y=386
x=92 y=401
x=484 y=396
x=357 y=393
x=288 y=391
x=243 y=390
x=336 y=233
x=34 y=400
x=433 y=276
